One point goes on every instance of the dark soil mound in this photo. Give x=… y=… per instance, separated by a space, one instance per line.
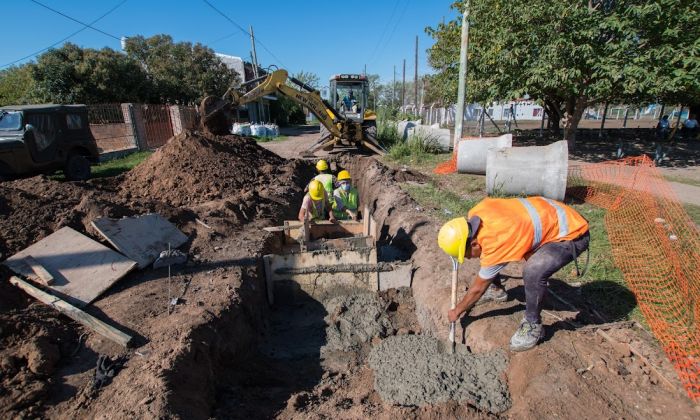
x=30 y=209
x=195 y=168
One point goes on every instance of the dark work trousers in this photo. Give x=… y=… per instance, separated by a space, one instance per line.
x=547 y=260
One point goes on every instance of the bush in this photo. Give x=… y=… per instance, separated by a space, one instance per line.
x=418 y=146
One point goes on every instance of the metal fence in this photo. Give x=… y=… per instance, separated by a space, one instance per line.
x=120 y=127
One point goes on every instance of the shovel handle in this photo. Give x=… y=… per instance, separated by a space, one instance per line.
x=453 y=302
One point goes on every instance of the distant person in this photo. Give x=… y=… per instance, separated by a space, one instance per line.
x=315 y=205
x=348 y=100
x=690 y=127
x=325 y=177
x=346 y=199
x=662 y=129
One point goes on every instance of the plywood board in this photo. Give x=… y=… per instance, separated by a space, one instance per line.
x=82 y=268
x=325 y=229
x=140 y=238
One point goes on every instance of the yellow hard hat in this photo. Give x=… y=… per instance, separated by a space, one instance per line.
x=316 y=190
x=455 y=234
x=322 y=165
x=343 y=175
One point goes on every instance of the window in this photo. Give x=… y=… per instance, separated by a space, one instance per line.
x=536 y=112
x=44 y=130
x=74 y=121
x=11 y=120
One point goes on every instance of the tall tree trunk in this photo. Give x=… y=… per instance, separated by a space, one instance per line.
x=553 y=115
x=574 y=111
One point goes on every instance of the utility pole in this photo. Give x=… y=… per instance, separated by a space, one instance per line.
x=461 y=88
x=393 y=89
x=258 y=105
x=415 y=79
x=403 y=85
x=365 y=71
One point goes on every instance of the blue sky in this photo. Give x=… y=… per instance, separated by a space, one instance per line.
x=324 y=37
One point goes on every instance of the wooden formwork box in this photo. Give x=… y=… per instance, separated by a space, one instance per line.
x=310 y=265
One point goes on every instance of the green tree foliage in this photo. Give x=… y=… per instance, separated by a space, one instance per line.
x=308 y=78
x=17 y=86
x=570 y=54
x=71 y=74
x=180 y=72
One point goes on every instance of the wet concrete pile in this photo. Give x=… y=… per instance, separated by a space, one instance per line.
x=419 y=370
x=354 y=320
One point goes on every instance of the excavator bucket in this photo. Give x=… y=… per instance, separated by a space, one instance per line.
x=215 y=114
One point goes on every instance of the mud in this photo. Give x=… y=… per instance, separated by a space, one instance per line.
x=419 y=370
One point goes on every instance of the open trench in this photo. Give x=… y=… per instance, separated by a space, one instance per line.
x=348 y=351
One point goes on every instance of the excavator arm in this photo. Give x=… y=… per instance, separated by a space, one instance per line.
x=213 y=109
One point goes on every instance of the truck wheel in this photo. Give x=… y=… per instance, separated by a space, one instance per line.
x=77 y=168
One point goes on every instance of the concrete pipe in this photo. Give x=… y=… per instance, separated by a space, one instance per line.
x=536 y=170
x=471 y=152
x=404 y=126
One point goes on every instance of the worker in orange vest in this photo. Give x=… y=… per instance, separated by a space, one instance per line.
x=546 y=233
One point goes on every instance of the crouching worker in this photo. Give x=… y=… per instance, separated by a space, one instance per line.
x=346 y=200
x=546 y=233
x=325 y=177
x=315 y=205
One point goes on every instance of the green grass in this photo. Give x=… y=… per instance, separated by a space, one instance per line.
x=683 y=180
x=693 y=211
x=265 y=139
x=112 y=167
x=118 y=166
x=441 y=204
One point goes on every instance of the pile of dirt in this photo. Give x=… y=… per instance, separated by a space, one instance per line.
x=194 y=168
x=417 y=370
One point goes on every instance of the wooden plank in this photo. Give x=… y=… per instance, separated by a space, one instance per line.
x=140 y=238
x=74 y=313
x=365 y=221
x=82 y=268
x=268 y=280
x=39 y=270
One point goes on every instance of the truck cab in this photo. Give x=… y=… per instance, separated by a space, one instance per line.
x=46 y=138
x=349 y=94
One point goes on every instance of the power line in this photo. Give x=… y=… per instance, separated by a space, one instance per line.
x=222 y=38
x=396 y=25
x=381 y=37
x=242 y=29
x=89 y=25
x=64 y=39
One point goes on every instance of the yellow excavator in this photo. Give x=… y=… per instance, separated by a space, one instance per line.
x=351 y=126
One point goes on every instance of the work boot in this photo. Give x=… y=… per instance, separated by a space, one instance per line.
x=527 y=336
x=493 y=294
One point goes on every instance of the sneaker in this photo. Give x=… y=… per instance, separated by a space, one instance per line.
x=493 y=294
x=527 y=336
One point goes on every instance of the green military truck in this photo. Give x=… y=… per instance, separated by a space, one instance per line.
x=44 y=139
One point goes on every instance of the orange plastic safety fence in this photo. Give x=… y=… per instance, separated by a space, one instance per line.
x=448 y=167
x=657 y=247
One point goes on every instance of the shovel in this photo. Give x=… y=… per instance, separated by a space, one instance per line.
x=455 y=271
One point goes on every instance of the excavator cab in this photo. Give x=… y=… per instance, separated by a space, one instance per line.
x=348 y=94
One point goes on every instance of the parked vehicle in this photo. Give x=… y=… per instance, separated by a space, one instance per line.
x=44 y=139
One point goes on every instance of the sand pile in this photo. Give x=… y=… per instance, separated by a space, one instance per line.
x=418 y=370
x=195 y=168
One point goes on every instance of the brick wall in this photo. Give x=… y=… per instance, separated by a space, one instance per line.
x=111 y=137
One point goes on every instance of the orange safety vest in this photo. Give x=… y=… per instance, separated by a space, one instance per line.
x=512 y=228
